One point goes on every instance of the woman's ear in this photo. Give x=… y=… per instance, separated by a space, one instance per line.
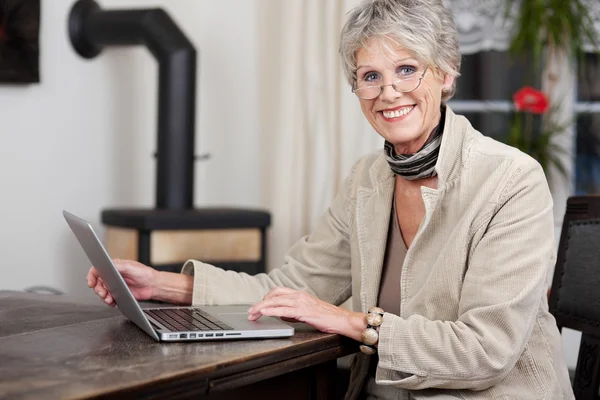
x=448 y=82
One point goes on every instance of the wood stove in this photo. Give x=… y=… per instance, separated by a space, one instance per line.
x=166 y=236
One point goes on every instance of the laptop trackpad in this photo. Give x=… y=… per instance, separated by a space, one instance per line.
x=237 y=317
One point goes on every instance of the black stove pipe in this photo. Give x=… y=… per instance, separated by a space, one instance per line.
x=91 y=28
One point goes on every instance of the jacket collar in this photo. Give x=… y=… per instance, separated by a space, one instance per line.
x=453 y=153
x=455 y=147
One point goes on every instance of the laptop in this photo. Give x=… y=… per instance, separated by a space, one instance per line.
x=173 y=324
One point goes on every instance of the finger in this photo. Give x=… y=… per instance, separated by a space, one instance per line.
x=92 y=276
x=101 y=289
x=121 y=265
x=283 y=312
x=109 y=299
x=113 y=302
x=280 y=291
x=279 y=301
x=270 y=302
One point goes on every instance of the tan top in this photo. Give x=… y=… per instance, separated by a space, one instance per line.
x=474 y=320
x=389 y=291
x=389 y=301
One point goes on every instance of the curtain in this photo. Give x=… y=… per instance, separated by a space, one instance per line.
x=312 y=127
x=485 y=25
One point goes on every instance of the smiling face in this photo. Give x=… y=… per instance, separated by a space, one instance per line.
x=403 y=119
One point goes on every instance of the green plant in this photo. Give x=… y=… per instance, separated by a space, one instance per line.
x=533 y=126
x=562 y=25
x=545 y=28
x=526 y=129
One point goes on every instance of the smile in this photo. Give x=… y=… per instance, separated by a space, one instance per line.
x=400 y=112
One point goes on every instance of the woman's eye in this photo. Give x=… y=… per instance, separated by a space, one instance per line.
x=405 y=70
x=371 y=77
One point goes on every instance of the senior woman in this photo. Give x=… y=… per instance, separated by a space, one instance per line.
x=443 y=239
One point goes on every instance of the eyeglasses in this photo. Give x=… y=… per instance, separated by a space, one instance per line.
x=401 y=85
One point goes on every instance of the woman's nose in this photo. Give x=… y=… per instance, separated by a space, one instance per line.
x=389 y=94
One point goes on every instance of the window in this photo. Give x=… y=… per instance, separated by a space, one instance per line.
x=587 y=153
x=485 y=88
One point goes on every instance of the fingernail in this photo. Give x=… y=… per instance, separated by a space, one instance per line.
x=250 y=309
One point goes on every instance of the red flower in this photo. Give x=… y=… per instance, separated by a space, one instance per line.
x=530 y=100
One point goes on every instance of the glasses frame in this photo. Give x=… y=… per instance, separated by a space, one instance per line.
x=355 y=88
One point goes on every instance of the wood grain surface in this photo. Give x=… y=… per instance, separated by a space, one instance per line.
x=60 y=347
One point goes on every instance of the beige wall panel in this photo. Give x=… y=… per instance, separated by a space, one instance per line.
x=205 y=245
x=122 y=243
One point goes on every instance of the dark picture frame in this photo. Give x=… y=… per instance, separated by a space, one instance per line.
x=19 y=41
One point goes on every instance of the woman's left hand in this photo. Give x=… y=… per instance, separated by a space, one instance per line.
x=299 y=306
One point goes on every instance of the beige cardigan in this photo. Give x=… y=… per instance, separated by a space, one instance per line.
x=474 y=320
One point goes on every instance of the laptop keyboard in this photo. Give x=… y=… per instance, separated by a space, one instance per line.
x=187 y=319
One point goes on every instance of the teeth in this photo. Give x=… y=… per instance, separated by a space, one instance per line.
x=397 y=113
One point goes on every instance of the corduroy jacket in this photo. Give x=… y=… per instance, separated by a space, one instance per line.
x=474 y=320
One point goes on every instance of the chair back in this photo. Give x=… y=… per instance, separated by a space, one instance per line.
x=575 y=293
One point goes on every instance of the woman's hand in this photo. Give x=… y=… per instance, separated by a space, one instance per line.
x=296 y=305
x=139 y=277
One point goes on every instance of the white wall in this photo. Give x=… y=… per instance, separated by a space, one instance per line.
x=83 y=138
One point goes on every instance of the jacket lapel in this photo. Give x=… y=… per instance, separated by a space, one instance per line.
x=373 y=208
x=374 y=205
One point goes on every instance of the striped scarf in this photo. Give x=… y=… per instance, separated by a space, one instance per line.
x=420 y=164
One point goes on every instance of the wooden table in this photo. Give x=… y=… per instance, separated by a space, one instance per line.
x=60 y=347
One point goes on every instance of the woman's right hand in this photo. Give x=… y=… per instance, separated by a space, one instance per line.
x=140 y=278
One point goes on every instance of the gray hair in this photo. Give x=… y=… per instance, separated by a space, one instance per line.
x=423 y=27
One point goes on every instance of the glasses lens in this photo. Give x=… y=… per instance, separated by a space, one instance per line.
x=368 y=92
x=402 y=85
x=407 y=85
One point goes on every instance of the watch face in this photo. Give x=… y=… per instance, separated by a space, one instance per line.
x=19 y=41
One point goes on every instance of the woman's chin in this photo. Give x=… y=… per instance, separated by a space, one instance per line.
x=407 y=141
